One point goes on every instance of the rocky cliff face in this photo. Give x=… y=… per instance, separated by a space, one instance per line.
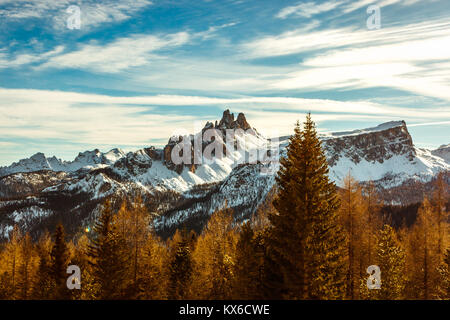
x=372 y=145
x=227 y=122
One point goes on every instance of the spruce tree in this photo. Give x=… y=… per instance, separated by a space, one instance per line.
x=58 y=264
x=308 y=242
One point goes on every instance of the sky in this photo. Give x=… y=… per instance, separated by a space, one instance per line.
x=135 y=72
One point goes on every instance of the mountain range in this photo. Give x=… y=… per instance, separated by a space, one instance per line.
x=38 y=192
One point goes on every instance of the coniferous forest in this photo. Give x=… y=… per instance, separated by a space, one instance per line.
x=309 y=240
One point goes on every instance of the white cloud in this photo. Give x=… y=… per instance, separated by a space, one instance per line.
x=308 y=9
x=6 y=61
x=355 y=5
x=93 y=13
x=412 y=58
x=118 y=55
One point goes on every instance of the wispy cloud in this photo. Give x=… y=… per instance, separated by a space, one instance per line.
x=93 y=13
x=118 y=55
x=412 y=58
x=10 y=61
x=308 y=9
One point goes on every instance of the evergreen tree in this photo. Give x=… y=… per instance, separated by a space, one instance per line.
x=58 y=264
x=309 y=245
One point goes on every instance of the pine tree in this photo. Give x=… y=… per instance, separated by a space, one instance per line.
x=308 y=242
x=59 y=263
x=108 y=256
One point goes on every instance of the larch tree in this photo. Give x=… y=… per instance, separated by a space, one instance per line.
x=109 y=257
x=354 y=219
x=373 y=204
x=133 y=224
x=214 y=258
x=27 y=268
x=423 y=259
x=43 y=286
x=390 y=257
x=180 y=266
x=443 y=291
x=440 y=196
x=247 y=269
x=10 y=264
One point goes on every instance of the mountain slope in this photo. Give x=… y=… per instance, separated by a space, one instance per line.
x=188 y=192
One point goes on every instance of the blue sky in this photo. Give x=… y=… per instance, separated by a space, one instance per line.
x=138 y=71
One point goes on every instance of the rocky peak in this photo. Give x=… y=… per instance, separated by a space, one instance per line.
x=375 y=144
x=241 y=122
x=228 y=122
x=227 y=119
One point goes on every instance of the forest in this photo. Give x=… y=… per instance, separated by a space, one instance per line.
x=309 y=240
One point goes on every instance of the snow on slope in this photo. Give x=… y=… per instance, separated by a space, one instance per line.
x=442 y=152
x=86 y=160
x=369 y=154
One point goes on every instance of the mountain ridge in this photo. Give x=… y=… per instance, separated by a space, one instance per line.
x=384 y=154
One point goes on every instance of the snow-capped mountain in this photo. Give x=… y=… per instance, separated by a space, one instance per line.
x=85 y=160
x=213 y=173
